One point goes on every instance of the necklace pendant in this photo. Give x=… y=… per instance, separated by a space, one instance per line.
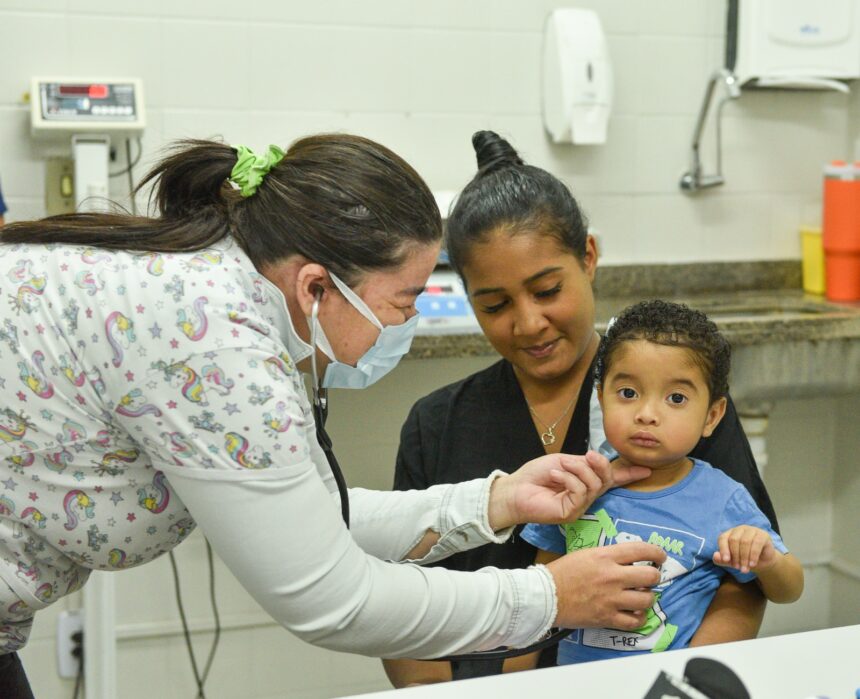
x=547 y=437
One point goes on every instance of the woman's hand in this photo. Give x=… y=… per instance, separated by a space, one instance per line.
x=555 y=488
x=600 y=586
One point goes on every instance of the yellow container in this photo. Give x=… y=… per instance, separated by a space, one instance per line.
x=812 y=260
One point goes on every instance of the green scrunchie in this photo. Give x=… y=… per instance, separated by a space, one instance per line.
x=250 y=168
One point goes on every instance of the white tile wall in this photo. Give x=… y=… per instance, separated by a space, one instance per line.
x=421 y=77
x=845 y=588
x=847 y=482
x=670 y=74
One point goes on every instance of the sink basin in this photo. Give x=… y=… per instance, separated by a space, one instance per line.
x=785 y=345
x=797 y=353
x=740 y=312
x=796 y=369
x=764 y=303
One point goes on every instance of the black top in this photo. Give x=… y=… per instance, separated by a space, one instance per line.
x=482 y=423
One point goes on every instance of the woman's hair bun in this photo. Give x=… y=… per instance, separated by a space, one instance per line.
x=493 y=152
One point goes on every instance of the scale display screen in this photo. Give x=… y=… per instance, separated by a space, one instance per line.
x=88 y=102
x=444 y=307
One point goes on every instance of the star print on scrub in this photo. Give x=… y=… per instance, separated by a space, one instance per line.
x=115 y=370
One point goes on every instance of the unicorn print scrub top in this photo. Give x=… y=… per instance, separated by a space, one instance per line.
x=144 y=393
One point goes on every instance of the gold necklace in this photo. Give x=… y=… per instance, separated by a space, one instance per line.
x=548 y=436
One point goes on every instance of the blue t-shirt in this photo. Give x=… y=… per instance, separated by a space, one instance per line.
x=685 y=520
x=2 y=203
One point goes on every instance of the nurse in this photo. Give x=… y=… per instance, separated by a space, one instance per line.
x=150 y=383
x=519 y=241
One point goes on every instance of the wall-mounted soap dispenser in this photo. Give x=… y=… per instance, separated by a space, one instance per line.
x=577 y=77
x=798 y=44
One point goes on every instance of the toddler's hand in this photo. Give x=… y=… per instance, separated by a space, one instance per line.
x=745 y=548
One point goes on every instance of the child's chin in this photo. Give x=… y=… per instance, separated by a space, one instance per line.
x=656 y=462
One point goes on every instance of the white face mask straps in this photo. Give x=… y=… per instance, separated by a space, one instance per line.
x=318 y=336
x=355 y=300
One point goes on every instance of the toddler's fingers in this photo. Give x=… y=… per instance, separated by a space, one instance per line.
x=735 y=548
x=743 y=558
x=724 y=549
x=756 y=548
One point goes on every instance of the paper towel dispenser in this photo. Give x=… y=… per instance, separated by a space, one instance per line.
x=577 y=77
x=790 y=44
x=799 y=44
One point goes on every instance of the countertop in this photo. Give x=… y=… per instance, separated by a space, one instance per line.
x=753 y=303
x=794 y=666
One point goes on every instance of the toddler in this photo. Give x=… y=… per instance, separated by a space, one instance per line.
x=662 y=373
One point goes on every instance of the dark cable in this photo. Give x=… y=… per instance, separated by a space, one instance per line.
x=130 y=173
x=201 y=680
x=214 y=613
x=78 y=652
x=78 y=683
x=130 y=165
x=554 y=637
x=185 y=631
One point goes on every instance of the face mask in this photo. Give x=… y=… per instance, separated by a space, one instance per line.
x=392 y=343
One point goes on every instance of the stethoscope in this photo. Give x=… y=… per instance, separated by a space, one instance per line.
x=320 y=411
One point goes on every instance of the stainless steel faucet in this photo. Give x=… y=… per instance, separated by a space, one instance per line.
x=694 y=179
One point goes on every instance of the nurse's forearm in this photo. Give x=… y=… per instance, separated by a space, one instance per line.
x=498 y=516
x=335 y=595
x=423 y=526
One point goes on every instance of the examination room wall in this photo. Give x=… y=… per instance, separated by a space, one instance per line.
x=421 y=77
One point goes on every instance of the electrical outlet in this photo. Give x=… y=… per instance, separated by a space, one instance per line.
x=69 y=623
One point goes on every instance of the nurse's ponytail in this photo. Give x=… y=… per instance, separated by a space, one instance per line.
x=188 y=195
x=343 y=201
x=508 y=195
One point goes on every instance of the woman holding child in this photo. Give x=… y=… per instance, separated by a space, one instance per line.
x=519 y=240
x=151 y=381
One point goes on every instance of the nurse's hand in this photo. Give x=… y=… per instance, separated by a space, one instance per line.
x=600 y=587
x=555 y=488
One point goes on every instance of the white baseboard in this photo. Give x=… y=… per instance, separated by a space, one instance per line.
x=229 y=622
x=840 y=565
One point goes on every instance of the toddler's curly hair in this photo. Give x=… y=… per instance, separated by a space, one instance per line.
x=675 y=325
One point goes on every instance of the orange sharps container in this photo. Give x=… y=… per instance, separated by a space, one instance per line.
x=841 y=231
